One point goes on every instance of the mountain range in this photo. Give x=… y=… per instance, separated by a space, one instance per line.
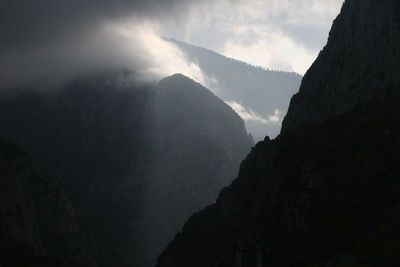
x=260 y=96
x=326 y=191
x=106 y=171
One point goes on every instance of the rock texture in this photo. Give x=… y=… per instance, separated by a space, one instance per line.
x=326 y=191
x=38 y=226
x=359 y=63
x=135 y=161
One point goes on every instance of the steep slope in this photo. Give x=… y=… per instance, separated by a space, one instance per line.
x=345 y=73
x=128 y=156
x=200 y=142
x=256 y=89
x=326 y=191
x=38 y=226
x=196 y=110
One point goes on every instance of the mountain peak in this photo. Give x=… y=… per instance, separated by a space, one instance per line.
x=176 y=78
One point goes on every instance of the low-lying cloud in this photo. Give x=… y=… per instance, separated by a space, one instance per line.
x=247 y=114
x=135 y=47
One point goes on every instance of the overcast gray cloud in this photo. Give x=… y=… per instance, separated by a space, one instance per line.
x=51 y=41
x=27 y=22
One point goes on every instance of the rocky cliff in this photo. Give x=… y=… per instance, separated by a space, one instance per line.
x=326 y=191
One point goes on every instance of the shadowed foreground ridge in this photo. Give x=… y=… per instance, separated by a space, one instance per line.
x=325 y=192
x=38 y=225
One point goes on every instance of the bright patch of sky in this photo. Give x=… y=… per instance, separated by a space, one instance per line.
x=277 y=34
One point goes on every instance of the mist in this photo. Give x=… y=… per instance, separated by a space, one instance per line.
x=113 y=47
x=48 y=44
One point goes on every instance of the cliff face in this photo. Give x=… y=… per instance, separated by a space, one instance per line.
x=38 y=226
x=359 y=63
x=135 y=161
x=326 y=191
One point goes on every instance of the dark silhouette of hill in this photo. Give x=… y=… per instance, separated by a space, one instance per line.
x=257 y=89
x=326 y=191
x=135 y=161
x=38 y=225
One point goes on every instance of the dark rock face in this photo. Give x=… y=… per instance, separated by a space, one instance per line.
x=326 y=191
x=309 y=197
x=359 y=63
x=135 y=161
x=38 y=226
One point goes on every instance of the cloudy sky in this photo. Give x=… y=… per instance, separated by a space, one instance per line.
x=51 y=41
x=278 y=34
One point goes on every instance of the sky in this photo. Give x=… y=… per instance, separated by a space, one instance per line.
x=49 y=42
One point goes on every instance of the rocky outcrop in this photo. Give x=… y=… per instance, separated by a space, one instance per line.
x=359 y=63
x=38 y=226
x=326 y=191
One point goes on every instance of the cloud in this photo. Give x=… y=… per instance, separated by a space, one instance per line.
x=158 y=58
x=26 y=23
x=248 y=114
x=49 y=42
x=283 y=34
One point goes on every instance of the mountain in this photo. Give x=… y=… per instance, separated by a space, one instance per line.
x=136 y=161
x=200 y=142
x=38 y=226
x=326 y=191
x=259 y=95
